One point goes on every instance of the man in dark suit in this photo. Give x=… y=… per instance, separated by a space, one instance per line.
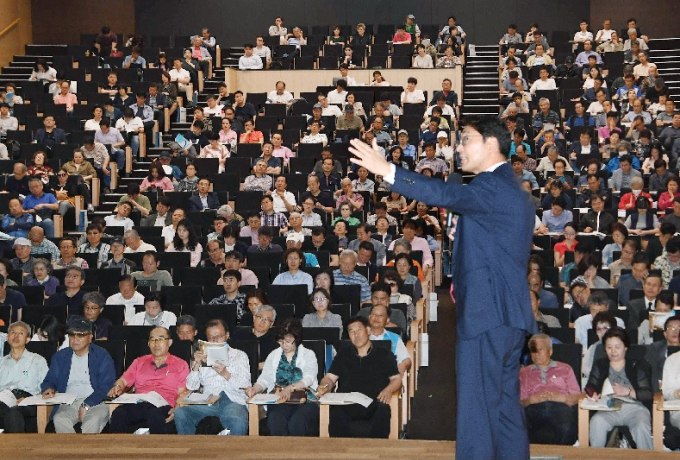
x=634 y=279
x=158 y=102
x=50 y=135
x=651 y=288
x=162 y=217
x=658 y=351
x=491 y=253
x=448 y=92
x=205 y=199
x=596 y=220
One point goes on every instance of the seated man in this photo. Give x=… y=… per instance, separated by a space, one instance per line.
x=21 y=373
x=320 y=242
x=83 y=369
x=128 y=296
x=258 y=181
x=380 y=317
x=269 y=217
x=121 y=219
x=366 y=369
x=161 y=217
x=347 y=275
x=231 y=281
x=623 y=177
x=232 y=261
x=634 y=279
x=94 y=244
x=548 y=299
x=205 y=199
x=224 y=379
x=93 y=306
x=249 y=61
x=284 y=201
x=597 y=302
x=143 y=375
x=150 y=275
x=72 y=296
x=23 y=260
x=549 y=393
x=41 y=204
x=651 y=288
x=118 y=260
x=67 y=248
x=596 y=220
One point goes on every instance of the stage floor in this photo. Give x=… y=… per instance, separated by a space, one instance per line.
x=107 y=446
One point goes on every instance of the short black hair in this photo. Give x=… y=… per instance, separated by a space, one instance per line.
x=490 y=126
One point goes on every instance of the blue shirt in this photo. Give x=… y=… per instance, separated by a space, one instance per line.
x=31 y=200
x=353 y=278
x=527 y=175
x=428 y=136
x=409 y=151
x=286 y=279
x=513 y=148
x=557 y=223
x=17 y=227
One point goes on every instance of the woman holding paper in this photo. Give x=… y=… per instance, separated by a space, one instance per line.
x=630 y=381
x=288 y=370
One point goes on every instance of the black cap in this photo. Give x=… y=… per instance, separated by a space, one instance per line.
x=569 y=60
x=118 y=240
x=165 y=154
x=78 y=323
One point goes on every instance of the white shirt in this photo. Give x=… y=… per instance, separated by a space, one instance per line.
x=423 y=62
x=331 y=110
x=92 y=125
x=143 y=247
x=213 y=383
x=131 y=126
x=118 y=299
x=336 y=98
x=273 y=97
x=250 y=62
x=400 y=353
x=168 y=319
x=278 y=202
x=318 y=138
x=413 y=97
x=447 y=110
x=168 y=233
x=604 y=35
x=350 y=81
x=216 y=111
x=306 y=361
x=583 y=36
x=583 y=324
x=541 y=85
x=181 y=74
x=114 y=221
x=263 y=52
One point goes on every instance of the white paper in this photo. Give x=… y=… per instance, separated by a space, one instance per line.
x=134 y=398
x=197 y=398
x=549 y=127
x=264 y=399
x=673 y=404
x=7 y=397
x=346 y=398
x=38 y=400
x=217 y=356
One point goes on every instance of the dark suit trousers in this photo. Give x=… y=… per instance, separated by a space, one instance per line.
x=377 y=414
x=490 y=418
x=127 y=416
x=18 y=419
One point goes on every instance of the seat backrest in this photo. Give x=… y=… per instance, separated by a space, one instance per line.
x=45 y=349
x=116 y=349
x=129 y=332
x=192 y=276
x=35 y=295
x=569 y=353
x=252 y=349
x=204 y=313
x=114 y=313
x=293 y=294
x=283 y=311
x=350 y=294
x=319 y=349
x=33 y=314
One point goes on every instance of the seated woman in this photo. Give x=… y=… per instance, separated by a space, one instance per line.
x=294 y=258
x=602 y=322
x=619 y=234
x=321 y=316
x=153 y=314
x=667 y=197
x=169 y=88
x=39 y=168
x=549 y=393
x=403 y=246
x=324 y=279
x=565 y=245
x=630 y=379
x=395 y=202
x=215 y=150
x=186 y=240
x=255 y=298
x=587 y=268
x=189 y=183
x=396 y=157
x=228 y=136
x=403 y=264
x=41 y=277
x=643 y=222
x=345 y=212
x=288 y=369
x=394 y=281
x=156 y=179
x=81 y=167
x=51 y=330
x=628 y=200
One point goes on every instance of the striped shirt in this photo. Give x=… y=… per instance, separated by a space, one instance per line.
x=103 y=250
x=353 y=278
x=213 y=383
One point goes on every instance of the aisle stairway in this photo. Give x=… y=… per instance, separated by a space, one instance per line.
x=480 y=82
x=665 y=53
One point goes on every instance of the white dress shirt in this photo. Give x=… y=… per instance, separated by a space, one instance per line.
x=213 y=383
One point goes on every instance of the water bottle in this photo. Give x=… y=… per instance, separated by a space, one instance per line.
x=82 y=225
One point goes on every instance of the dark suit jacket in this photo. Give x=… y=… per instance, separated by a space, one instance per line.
x=151 y=218
x=451 y=98
x=59 y=137
x=161 y=100
x=581 y=158
x=635 y=308
x=590 y=220
x=624 y=285
x=196 y=205
x=491 y=249
x=656 y=357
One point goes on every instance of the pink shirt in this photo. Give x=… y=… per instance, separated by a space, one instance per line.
x=558 y=378
x=69 y=100
x=164 y=184
x=167 y=380
x=420 y=244
x=283 y=152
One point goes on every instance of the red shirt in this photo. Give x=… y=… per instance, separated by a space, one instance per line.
x=558 y=378
x=166 y=380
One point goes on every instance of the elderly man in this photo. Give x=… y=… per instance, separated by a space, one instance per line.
x=231 y=281
x=215 y=258
x=258 y=181
x=651 y=288
x=150 y=275
x=21 y=373
x=545 y=119
x=205 y=198
x=23 y=260
x=366 y=369
x=280 y=95
x=346 y=275
x=40 y=244
x=596 y=220
x=378 y=319
x=143 y=375
x=17 y=183
x=347 y=195
x=41 y=205
x=135 y=243
x=284 y=201
x=186 y=329
x=262 y=331
x=323 y=199
x=226 y=379
x=547 y=298
x=67 y=248
x=72 y=296
x=127 y=295
x=85 y=370
x=549 y=392
x=597 y=302
x=16 y=223
x=364 y=234
x=94 y=244
x=93 y=306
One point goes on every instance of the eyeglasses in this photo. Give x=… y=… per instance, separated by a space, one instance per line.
x=95 y=308
x=391 y=284
x=673 y=328
x=61 y=174
x=79 y=334
x=155 y=340
x=264 y=318
x=72 y=276
x=319 y=299
x=603 y=328
x=216 y=337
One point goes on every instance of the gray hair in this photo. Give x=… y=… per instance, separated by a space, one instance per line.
x=262 y=308
x=131 y=234
x=636 y=181
x=542 y=100
x=46 y=263
x=404 y=243
x=554 y=148
x=349 y=252
x=20 y=324
x=94 y=297
x=225 y=210
x=187 y=320
x=545 y=337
